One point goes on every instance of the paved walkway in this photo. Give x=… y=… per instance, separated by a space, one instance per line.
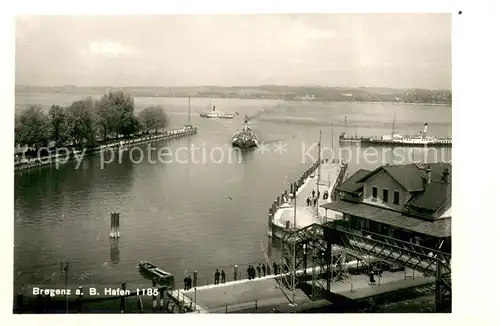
x=306 y=215
x=264 y=291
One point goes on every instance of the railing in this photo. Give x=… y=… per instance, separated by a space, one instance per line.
x=54 y=156
x=340 y=179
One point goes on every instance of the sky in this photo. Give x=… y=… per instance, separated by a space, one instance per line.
x=345 y=50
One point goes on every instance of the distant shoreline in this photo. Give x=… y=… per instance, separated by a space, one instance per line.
x=243 y=98
x=265 y=92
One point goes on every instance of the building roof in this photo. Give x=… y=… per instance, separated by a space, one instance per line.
x=410 y=176
x=439 y=228
x=435 y=196
x=352 y=184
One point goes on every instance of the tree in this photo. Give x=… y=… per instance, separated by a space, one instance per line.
x=82 y=122
x=59 y=127
x=153 y=117
x=32 y=128
x=119 y=107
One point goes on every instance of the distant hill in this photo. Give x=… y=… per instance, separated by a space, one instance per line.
x=309 y=93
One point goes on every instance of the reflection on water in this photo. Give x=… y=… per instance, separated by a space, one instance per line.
x=114 y=250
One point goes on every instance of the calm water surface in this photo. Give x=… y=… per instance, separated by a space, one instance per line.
x=186 y=216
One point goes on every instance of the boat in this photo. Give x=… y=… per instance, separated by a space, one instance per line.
x=246 y=138
x=156 y=274
x=394 y=139
x=216 y=114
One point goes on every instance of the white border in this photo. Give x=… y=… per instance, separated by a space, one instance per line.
x=475 y=87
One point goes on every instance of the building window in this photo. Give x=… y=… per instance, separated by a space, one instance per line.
x=396 y=197
x=374 y=192
x=385 y=195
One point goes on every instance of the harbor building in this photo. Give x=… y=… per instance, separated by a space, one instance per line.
x=410 y=202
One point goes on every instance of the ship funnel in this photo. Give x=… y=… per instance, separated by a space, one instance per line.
x=425 y=130
x=213 y=109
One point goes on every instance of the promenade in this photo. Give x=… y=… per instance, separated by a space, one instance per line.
x=263 y=294
x=307 y=215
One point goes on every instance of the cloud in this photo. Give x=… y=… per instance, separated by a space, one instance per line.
x=109 y=49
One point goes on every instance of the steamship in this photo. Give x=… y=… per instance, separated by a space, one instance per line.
x=216 y=114
x=246 y=138
x=421 y=140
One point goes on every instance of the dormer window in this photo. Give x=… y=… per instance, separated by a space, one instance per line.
x=396 y=197
x=374 y=192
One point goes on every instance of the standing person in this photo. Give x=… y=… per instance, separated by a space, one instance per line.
x=315 y=200
x=185 y=283
x=308 y=201
x=275 y=268
x=372 y=277
x=190 y=282
x=258 y=269
x=217 y=275
x=313 y=193
x=249 y=272
x=223 y=276
x=253 y=272
x=264 y=269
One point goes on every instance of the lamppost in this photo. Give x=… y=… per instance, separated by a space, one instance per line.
x=66 y=268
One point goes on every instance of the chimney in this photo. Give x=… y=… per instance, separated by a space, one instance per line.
x=446 y=174
x=428 y=171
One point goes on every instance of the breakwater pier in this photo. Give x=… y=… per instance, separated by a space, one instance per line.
x=73 y=153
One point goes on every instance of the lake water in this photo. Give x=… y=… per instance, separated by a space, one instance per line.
x=188 y=215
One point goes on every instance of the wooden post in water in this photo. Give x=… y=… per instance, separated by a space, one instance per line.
x=115 y=225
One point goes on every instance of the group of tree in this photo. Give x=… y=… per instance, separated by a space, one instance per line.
x=86 y=122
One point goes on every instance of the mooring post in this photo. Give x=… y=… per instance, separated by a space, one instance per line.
x=195 y=278
x=117 y=224
x=155 y=303
x=235 y=272
x=112 y=232
x=122 y=300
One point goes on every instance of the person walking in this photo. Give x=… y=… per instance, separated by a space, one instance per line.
x=258 y=270
x=253 y=272
x=185 y=283
x=249 y=272
x=217 y=275
x=264 y=269
x=223 y=276
x=190 y=282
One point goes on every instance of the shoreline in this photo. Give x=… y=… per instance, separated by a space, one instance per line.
x=20 y=93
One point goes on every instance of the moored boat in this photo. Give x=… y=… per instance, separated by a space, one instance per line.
x=421 y=140
x=156 y=274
